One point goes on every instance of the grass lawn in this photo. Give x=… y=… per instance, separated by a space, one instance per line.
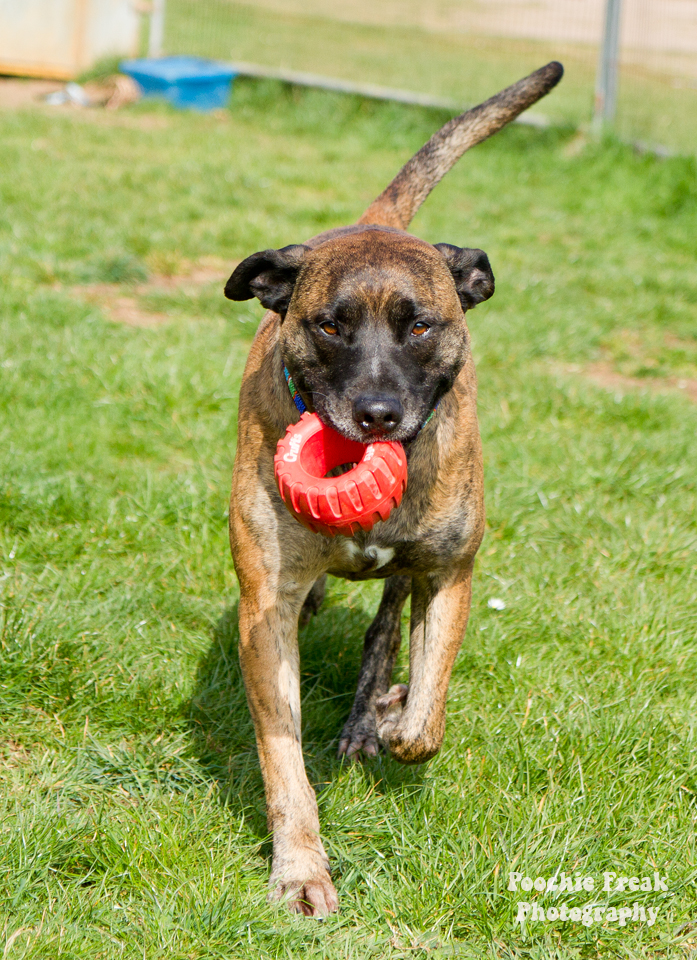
x=132 y=817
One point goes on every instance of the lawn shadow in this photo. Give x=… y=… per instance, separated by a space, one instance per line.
x=223 y=733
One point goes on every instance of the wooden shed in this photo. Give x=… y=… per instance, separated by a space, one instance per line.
x=60 y=38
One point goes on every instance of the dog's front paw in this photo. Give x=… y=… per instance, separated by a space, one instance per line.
x=406 y=741
x=312 y=896
x=359 y=734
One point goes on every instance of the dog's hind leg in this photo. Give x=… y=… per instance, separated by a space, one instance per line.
x=411 y=720
x=313 y=601
x=379 y=652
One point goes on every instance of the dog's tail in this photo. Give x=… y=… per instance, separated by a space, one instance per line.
x=397 y=204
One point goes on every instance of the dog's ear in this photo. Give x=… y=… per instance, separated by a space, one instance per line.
x=471 y=272
x=269 y=275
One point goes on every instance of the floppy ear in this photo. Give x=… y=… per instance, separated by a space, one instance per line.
x=471 y=272
x=269 y=275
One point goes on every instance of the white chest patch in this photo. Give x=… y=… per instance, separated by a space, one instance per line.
x=379 y=556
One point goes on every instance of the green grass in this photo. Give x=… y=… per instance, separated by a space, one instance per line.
x=463 y=66
x=132 y=819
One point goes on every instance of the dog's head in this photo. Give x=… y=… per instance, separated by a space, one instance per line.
x=373 y=324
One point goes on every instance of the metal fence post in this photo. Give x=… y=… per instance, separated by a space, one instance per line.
x=157 y=28
x=606 y=82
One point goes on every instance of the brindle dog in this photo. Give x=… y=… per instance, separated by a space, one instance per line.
x=370 y=322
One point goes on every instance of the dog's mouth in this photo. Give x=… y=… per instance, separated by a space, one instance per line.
x=344 y=424
x=377 y=418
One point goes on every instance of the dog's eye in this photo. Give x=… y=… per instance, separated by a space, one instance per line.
x=330 y=328
x=419 y=329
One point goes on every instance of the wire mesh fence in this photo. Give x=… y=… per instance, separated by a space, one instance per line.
x=464 y=50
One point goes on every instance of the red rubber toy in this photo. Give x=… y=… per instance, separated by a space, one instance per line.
x=354 y=501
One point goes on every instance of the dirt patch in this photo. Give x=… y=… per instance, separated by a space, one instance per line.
x=647 y=360
x=122 y=303
x=20 y=94
x=192 y=276
x=127 y=310
x=604 y=375
x=17 y=94
x=12 y=754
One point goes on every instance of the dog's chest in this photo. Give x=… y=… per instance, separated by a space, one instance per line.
x=360 y=558
x=387 y=551
x=370 y=557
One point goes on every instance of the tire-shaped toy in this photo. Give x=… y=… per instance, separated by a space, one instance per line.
x=354 y=501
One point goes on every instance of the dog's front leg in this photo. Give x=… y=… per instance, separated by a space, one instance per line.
x=411 y=720
x=270 y=666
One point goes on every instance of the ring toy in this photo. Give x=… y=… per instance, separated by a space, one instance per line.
x=354 y=501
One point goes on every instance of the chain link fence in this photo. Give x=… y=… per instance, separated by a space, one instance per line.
x=465 y=50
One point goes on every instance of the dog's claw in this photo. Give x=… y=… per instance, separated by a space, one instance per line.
x=313 y=898
x=317 y=899
x=350 y=746
x=363 y=734
x=359 y=735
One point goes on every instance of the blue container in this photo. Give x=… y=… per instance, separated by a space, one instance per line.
x=187 y=82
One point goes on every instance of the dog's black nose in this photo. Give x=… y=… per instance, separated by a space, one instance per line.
x=378 y=413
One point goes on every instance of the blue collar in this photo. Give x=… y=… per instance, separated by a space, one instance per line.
x=297 y=399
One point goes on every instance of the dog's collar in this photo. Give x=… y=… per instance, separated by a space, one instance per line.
x=297 y=399
x=302 y=408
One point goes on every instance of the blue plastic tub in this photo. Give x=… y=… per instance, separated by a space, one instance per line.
x=187 y=82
